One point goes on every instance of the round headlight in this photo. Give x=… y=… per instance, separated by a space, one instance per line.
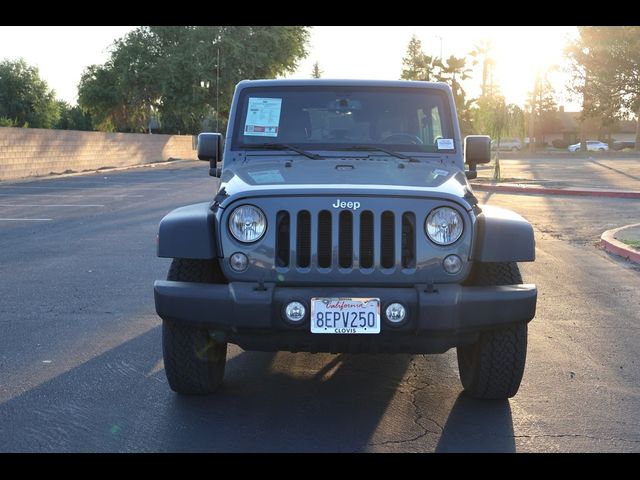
x=444 y=225
x=247 y=223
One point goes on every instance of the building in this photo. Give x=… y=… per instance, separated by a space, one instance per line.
x=564 y=129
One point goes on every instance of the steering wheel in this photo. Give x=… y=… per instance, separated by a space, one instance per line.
x=405 y=138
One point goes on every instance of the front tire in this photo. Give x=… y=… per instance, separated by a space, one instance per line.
x=194 y=362
x=493 y=366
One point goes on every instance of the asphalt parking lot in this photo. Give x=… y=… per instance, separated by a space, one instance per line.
x=81 y=360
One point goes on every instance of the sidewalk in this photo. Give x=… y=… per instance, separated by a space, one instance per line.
x=623 y=241
x=593 y=176
x=537 y=189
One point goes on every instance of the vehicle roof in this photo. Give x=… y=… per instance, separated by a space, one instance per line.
x=304 y=82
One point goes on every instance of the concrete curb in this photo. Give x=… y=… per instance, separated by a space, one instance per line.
x=104 y=170
x=535 y=190
x=609 y=243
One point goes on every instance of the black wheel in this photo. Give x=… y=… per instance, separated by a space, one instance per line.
x=193 y=361
x=601 y=149
x=515 y=149
x=492 y=368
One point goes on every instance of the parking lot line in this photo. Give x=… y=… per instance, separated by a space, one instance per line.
x=26 y=219
x=24 y=205
x=113 y=195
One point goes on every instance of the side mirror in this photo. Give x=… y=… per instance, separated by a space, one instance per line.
x=477 y=149
x=210 y=149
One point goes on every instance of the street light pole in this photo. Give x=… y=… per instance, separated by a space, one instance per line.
x=438 y=36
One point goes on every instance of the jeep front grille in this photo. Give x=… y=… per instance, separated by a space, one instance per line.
x=345 y=240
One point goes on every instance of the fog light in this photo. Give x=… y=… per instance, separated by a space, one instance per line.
x=452 y=264
x=295 y=312
x=239 y=262
x=396 y=313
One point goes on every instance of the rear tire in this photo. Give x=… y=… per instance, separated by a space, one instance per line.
x=194 y=362
x=492 y=368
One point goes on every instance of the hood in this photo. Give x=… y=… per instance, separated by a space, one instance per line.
x=364 y=176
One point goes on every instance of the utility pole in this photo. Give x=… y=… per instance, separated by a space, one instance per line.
x=218 y=90
x=438 y=36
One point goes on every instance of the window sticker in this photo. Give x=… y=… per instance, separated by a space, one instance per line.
x=263 y=117
x=445 y=143
x=266 y=176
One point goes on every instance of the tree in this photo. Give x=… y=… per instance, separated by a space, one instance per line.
x=542 y=108
x=497 y=119
x=184 y=75
x=453 y=71
x=72 y=118
x=416 y=64
x=419 y=66
x=484 y=50
x=316 y=72
x=606 y=72
x=26 y=99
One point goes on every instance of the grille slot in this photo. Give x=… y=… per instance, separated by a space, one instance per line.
x=282 y=239
x=303 y=239
x=328 y=239
x=324 y=239
x=345 y=239
x=387 y=250
x=366 y=239
x=408 y=240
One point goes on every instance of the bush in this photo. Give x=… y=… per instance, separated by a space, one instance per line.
x=560 y=143
x=7 y=122
x=12 y=122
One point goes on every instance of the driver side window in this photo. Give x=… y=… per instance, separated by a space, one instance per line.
x=430 y=124
x=436 y=125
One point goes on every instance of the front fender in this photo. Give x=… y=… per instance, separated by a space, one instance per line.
x=503 y=236
x=188 y=232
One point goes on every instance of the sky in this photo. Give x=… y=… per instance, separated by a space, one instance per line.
x=62 y=53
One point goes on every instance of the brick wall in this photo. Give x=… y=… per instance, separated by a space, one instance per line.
x=33 y=152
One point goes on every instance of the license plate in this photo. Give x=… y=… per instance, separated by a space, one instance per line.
x=345 y=315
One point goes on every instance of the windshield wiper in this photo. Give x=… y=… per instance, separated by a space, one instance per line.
x=369 y=148
x=283 y=146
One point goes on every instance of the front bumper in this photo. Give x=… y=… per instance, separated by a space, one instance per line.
x=439 y=318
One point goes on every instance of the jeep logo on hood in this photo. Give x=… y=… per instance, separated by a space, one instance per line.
x=341 y=204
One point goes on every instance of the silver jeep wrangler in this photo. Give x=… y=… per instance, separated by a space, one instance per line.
x=344 y=222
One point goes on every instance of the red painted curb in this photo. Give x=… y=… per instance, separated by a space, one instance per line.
x=616 y=247
x=526 y=190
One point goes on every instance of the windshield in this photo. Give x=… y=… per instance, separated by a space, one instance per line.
x=331 y=118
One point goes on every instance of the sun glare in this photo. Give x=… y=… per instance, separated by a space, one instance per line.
x=519 y=57
x=519 y=52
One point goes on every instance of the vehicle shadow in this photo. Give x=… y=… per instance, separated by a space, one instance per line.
x=289 y=402
x=270 y=402
x=120 y=401
x=478 y=426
